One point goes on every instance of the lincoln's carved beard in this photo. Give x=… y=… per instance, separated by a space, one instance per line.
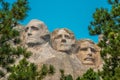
x=62 y=40
x=35 y=33
x=88 y=53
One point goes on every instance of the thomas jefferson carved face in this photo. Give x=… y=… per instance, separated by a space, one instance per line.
x=88 y=53
x=35 y=32
x=62 y=40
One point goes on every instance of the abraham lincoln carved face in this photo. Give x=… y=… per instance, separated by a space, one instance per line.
x=36 y=32
x=62 y=40
x=89 y=53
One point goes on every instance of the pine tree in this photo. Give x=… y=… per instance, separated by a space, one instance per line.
x=44 y=71
x=65 y=77
x=89 y=75
x=28 y=71
x=23 y=71
x=10 y=15
x=107 y=23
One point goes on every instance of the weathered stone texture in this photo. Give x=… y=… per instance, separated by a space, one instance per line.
x=60 y=49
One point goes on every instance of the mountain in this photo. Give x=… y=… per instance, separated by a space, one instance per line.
x=58 y=48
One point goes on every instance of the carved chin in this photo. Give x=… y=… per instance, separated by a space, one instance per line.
x=34 y=41
x=63 y=48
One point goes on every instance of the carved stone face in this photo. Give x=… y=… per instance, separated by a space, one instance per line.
x=89 y=53
x=62 y=39
x=35 y=32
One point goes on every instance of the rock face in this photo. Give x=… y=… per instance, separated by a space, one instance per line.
x=48 y=52
x=36 y=33
x=60 y=49
x=69 y=63
x=89 y=54
x=62 y=40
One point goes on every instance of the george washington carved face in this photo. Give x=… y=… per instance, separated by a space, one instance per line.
x=89 y=53
x=62 y=40
x=36 y=32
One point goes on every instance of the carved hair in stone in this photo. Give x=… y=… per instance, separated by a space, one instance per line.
x=89 y=53
x=36 y=33
x=62 y=40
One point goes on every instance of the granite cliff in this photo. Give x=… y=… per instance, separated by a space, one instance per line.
x=60 y=49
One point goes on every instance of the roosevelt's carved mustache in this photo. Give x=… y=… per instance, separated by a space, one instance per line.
x=89 y=59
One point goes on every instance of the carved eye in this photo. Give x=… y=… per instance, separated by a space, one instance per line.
x=93 y=50
x=84 y=49
x=59 y=36
x=67 y=36
x=34 y=28
x=26 y=29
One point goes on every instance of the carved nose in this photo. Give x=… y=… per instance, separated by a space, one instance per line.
x=29 y=34
x=63 y=40
x=89 y=52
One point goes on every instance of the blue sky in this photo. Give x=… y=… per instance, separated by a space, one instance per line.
x=72 y=14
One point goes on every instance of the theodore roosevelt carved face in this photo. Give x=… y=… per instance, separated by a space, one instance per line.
x=62 y=39
x=89 y=53
x=36 y=32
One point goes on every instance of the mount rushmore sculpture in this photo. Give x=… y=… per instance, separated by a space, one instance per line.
x=60 y=49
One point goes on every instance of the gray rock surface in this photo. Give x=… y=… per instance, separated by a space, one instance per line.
x=60 y=60
x=36 y=38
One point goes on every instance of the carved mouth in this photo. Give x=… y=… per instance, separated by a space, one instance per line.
x=89 y=59
x=63 y=44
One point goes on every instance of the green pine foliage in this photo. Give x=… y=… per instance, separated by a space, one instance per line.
x=89 y=75
x=23 y=71
x=65 y=77
x=78 y=78
x=1 y=73
x=107 y=23
x=51 y=69
x=45 y=70
x=28 y=71
x=68 y=77
x=10 y=15
x=62 y=74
